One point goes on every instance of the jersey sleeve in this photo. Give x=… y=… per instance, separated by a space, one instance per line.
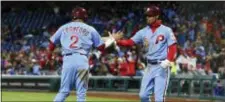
x=137 y=38
x=171 y=39
x=55 y=38
x=96 y=38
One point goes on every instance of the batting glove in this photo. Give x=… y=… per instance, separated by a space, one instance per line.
x=109 y=42
x=165 y=64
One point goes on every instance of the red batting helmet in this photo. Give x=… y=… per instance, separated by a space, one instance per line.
x=79 y=13
x=152 y=11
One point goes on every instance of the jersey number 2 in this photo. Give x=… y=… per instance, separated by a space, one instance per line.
x=74 y=38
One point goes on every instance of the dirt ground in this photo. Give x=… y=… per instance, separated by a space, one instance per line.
x=134 y=96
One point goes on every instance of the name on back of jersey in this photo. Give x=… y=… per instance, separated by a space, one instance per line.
x=77 y=30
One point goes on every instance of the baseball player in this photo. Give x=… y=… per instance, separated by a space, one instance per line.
x=76 y=39
x=160 y=43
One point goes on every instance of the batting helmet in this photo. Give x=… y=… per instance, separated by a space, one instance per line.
x=79 y=13
x=152 y=11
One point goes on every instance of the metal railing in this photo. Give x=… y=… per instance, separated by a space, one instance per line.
x=193 y=87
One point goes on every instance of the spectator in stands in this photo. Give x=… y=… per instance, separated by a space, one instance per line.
x=11 y=69
x=35 y=67
x=3 y=64
x=181 y=37
x=221 y=69
x=191 y=33
x=219 y=89
x=181 y=60
x=140 y=68
x=113 y=65
x=123 y=66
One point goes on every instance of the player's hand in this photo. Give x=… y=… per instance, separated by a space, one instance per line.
x=165 y=64
x=109 y=40
x=117 y=36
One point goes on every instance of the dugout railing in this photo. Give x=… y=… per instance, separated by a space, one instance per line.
x=195 y=87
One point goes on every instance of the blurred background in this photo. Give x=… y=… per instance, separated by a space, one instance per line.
x=198 y=26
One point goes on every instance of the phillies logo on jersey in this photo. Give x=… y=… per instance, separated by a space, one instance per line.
x=159 y=38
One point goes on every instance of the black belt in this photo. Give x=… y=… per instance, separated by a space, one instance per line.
x=69 y=54
x=154 y=62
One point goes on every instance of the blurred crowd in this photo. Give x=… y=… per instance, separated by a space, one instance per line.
x=199 y=28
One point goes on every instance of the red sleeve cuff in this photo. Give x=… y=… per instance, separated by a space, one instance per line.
x=126 y=43
x=172 y=51
x=101 y=48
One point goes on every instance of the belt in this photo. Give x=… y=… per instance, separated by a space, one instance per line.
x=69 y=54
x=154 y=62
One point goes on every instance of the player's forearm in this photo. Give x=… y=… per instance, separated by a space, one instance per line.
x=125 y=43
x=172 y=50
